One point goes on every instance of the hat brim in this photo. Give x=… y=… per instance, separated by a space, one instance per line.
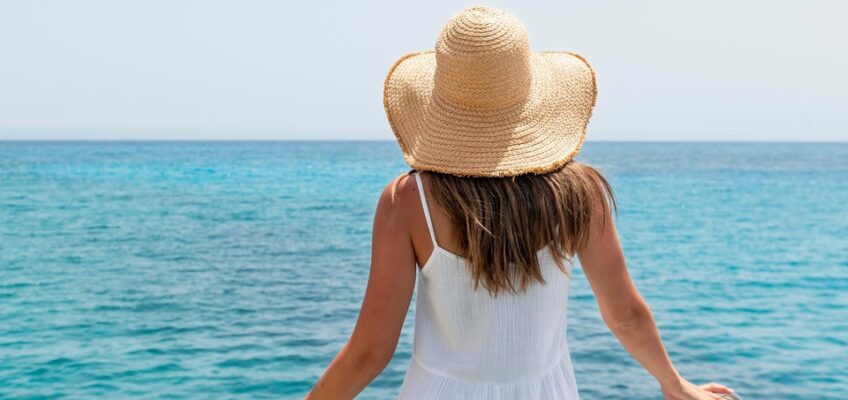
x=538 y=135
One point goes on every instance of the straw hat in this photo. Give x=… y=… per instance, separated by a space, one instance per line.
x=483 y=104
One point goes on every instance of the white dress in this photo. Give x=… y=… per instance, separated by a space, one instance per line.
x=468 y=345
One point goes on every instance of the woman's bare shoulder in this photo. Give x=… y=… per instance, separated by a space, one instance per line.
x=399 y=197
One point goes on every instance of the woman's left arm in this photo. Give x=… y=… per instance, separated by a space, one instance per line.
x=387 y=297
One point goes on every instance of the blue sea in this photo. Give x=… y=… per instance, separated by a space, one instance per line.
x=218 y=270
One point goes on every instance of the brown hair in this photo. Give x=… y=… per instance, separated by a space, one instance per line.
x=501 y=222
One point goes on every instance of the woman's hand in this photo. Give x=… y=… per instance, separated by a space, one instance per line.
x=686 y=390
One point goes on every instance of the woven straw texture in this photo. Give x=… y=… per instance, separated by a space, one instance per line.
x=482 y=104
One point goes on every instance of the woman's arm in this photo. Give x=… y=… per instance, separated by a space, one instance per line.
x=627 y=314
x=387 y=297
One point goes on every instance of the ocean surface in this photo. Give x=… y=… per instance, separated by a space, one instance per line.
x=236 y=270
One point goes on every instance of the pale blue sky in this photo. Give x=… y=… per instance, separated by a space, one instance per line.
x=208 y=69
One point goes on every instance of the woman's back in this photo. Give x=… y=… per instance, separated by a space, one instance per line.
x=469 y=344
x=497 y=128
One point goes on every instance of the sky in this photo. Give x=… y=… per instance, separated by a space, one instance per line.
x=313 y=70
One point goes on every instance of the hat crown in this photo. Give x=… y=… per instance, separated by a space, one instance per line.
x=483 y=60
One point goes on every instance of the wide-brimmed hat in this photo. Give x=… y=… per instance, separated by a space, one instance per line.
x=482 y=104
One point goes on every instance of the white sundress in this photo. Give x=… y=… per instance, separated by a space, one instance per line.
x=468 y=345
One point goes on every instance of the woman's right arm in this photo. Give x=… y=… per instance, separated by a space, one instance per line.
x=627 y=314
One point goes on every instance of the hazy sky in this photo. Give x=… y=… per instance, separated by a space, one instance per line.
x=206 y=69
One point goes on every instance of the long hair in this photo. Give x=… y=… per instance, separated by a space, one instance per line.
x=501 y=223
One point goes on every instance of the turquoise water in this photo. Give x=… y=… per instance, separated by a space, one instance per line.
x=236 y=270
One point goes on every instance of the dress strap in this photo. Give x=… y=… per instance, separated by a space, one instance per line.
x=426 y=208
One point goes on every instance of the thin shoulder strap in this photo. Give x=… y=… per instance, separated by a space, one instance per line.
x=426 y=208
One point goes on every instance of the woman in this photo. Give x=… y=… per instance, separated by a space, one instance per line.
x=491 y=228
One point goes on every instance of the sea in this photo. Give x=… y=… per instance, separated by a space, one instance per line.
x=236 y=270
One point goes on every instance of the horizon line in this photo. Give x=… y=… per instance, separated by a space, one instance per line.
x=130 y=140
